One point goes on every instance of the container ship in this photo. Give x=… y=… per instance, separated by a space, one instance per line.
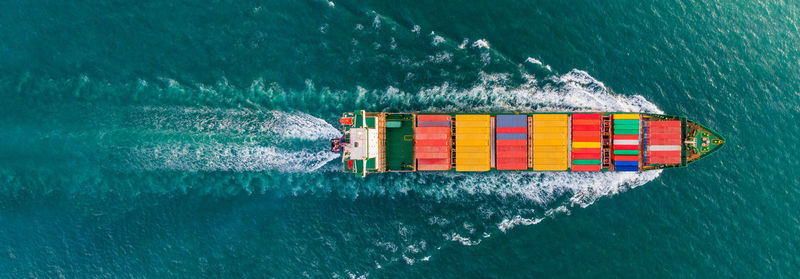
x=377 y=142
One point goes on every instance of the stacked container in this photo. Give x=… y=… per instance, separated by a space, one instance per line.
x=550 y=134
x=663 y=142
x=432 y=142
x=626 y=142
x=472 y=142
x=512 y=142
x=586 y=138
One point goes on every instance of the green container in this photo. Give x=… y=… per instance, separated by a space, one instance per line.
x=586 y=162
x=394 y=124
x=626 y=122
x=626 y=127
x=371 y=163
x=626 y=152
x=626 y=132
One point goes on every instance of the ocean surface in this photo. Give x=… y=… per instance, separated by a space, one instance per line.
x=186 y=139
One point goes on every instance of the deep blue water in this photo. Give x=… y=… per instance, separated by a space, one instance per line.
x=177 y=139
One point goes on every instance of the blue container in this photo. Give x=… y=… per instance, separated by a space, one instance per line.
x=626 y=163
x=626 y=168
x=512 y=121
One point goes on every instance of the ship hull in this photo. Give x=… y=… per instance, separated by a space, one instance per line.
x=377 y=142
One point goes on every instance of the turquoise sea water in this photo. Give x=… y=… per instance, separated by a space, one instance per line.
x=177 y=139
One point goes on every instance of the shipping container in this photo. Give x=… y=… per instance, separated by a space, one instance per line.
x=550 y=139
x=472 y=142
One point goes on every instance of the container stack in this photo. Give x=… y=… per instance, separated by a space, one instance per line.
x=472 y=142
x=432 y=142
x=512 y=142
x=626 y=142
x=550 y=134
x=586 y=137
x=663 y=142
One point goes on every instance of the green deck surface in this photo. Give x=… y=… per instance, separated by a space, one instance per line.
x=400 y=143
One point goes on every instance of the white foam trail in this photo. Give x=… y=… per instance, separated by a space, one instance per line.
x=437 y=40
x=189 y=157
x=538 y=62
x=574 y=91
x=299 y=125
x=278 y=124
x=481 y=43
x=540 y=187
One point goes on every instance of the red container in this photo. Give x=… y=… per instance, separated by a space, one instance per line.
x=432 y=136
x=664 y=154
x=432 y=155
x=595 y=156
x=512 y=130
x=663 y=160
x=512 y=163
x=512 y=148
x=436 y=161
x=626 y=137
x=585 y=138
x=664 y=141
x=586 y=167
x=421 y=118
x=587 y=133
x=436 y=167
x=664 y=130
x=433 y=142
x=586 y=127
x=522 y=154
x=663 y=123
x=586 y=150
x=512 y=142
x=626 y=147
x=432 y=130
x=585 y=122
x=596 y=116
x=431 y=149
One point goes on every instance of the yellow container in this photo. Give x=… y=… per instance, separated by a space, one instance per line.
x=550 y=140
x=580 y=144
x=626 y=116
x=473 y=134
